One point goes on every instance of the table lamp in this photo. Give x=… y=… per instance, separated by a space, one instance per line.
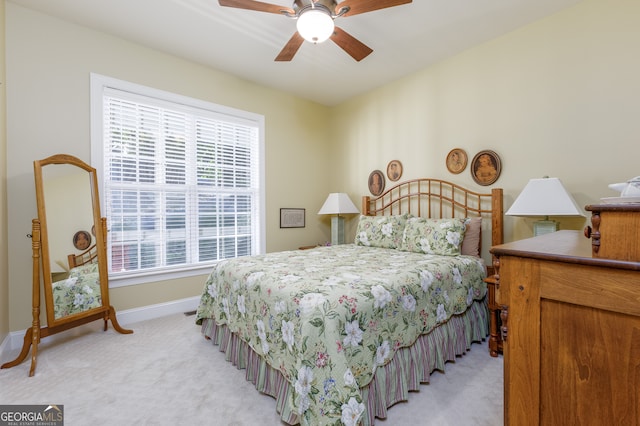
x=544 y=197
x=338 y=203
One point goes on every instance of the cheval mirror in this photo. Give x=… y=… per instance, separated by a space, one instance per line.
x=69 y=247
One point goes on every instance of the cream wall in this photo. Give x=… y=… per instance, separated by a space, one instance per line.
x=560 y=97
x=48 y=67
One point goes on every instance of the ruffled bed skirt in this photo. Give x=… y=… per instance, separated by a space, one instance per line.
x=392 y=383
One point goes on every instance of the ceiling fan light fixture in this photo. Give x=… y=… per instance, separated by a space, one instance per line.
x=315 y=25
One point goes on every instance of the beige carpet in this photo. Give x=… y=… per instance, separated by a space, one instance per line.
x=167 y=374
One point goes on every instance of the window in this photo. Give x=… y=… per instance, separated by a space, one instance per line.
x=182 y=181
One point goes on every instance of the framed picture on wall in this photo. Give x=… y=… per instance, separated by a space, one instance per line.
x=81 y=240
x=486 y=167
x=292 y=218
x=456 y=160
x=376 y=182
x=394 y=170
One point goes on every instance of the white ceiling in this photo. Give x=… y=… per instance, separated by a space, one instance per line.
x=404 y=38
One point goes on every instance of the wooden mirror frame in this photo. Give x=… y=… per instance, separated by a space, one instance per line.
x=42 y=259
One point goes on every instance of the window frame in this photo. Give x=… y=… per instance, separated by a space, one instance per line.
x=98 y=84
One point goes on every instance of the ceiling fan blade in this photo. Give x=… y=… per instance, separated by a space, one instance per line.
x=257 y=5
x=290 y=49
x=361 y=6
x=350 y=44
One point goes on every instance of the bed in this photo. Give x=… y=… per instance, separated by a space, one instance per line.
x=339 y=334
x=90 y=255
x=78 y=292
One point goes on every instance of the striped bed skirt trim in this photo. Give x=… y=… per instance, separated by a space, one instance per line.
x=410 y=367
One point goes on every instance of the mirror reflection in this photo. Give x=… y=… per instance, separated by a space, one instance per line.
x=71 y=239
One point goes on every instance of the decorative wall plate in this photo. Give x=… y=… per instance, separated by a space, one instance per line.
x=394 y=170
x=376 y=182
x=456 y=160
x=81 y=240
x=486 y=167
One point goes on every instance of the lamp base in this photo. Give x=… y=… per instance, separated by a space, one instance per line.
x=542 y=227
x=337 y=230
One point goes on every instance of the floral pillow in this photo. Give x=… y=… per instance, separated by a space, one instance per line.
x=433 y=236
x=380 y=231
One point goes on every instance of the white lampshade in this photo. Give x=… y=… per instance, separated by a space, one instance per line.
x=544 y=197
x=338 y=203
x=315 y=25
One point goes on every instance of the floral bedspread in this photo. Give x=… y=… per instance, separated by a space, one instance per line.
x=328 y=317
x=79 y=292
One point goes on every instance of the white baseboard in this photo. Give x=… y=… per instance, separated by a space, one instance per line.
x=144 y=313
x=13 y=341
x=4 y=349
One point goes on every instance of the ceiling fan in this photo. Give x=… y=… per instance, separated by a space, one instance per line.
x=315 y=21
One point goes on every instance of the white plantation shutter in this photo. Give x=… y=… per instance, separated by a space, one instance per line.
x=181 y=184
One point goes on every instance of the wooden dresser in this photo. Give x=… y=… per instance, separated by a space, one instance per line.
x=570 y=328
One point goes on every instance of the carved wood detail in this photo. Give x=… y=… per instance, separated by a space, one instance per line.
x=595 y=232
x=504 y=316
